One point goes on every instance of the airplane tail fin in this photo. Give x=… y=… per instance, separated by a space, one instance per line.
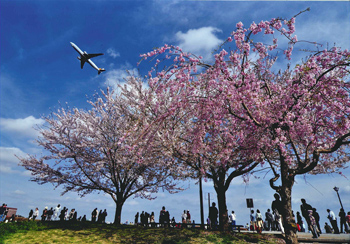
x=100 y=70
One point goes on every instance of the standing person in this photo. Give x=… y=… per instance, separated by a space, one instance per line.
x=35 y=214
x=304 y=208
x=147 y=218
x=342 y=216
x=142 y=218
x=184 y=217
x=188 y=217
x=213 y=216
x=75 y=216
x=152 y=220
x=136 y=221
x=3 y=212
x=30 y=214
x=99 y=217
x=62 y=214
x=278 y=220
x=167 y=218
x=300 y=222
x=49 y=214
x=232 y=219
x=259 y=221
x=269 y=219
x=333 y=220
x=162 y=216
x=173 y=222
x=327 y=228
x=252 y=220
x=44 y=215
x=71 y=214
x=94 y=215
x=277 y=207
x=347 y=219
x=313 y=226
x=66 y=217
x=104 y=215
x=56 y=212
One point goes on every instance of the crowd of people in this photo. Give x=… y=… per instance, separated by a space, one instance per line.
x=146 y=219
x=62 y=214
x=273 y=219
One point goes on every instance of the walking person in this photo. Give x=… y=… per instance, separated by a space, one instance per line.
x=333 y=219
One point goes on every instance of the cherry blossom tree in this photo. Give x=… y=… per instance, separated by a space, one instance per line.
x=94 y=151
x=205 y=149
x=296 y=119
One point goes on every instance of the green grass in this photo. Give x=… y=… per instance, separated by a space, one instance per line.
x=56 y=232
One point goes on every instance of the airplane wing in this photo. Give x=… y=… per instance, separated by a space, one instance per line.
x=94 y=55
x=82 y=62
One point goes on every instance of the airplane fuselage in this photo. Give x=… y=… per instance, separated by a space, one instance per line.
x=85 y=57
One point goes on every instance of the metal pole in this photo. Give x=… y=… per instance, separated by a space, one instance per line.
x=340 y=201
x=337 y=189
x=201 y=202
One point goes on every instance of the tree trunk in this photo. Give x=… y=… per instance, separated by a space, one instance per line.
x=223 y=218
x=201 y=202
x=118 y=212
x=285 y=192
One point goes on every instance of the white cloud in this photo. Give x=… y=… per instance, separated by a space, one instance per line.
x=116 y=77
x=323 y=31
x=200 y=41
x=21 y=127
x=7 y=155
x=113 y=53
x=9 y=161
x=19 y=192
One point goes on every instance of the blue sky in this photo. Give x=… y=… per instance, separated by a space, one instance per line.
x=40 y=72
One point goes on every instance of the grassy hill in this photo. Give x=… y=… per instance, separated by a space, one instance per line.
x=67 y=232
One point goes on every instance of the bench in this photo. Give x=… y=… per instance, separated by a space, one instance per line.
x=187 y=225
x=235 y=226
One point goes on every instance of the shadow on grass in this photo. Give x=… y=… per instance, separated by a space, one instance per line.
x=134 y=234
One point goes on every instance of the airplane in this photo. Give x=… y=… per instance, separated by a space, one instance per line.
x=85 y=57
